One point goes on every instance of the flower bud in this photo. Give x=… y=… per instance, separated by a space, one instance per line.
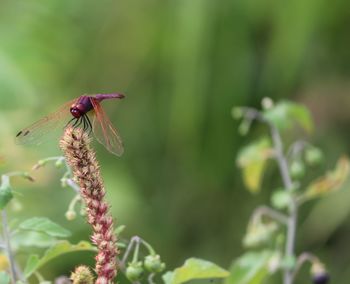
x=134 y=271
x=313 y=156
x=297 y=169
x=70 y=215
x=154 y=264
x=319 y=274
x=82 y=275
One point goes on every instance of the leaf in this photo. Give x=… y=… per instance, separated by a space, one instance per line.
x=285 y=113
x=5 y=191
x=61 y=247
x=194 y=268
x=252 y=160
x=32 y=239
x=31 y=265
x=4 y=277
x=331 y=182
x=259 y=233
x=250 y=268
x=45 y=225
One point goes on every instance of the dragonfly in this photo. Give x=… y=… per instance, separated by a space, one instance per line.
x=77 y=113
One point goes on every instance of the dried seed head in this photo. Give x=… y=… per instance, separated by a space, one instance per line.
x=82 y=159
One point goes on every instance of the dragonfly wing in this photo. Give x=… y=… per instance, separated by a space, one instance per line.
x=40 y=130
x=104 y=131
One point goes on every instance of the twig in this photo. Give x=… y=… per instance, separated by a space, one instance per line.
x=306 y=256
x=273 y=214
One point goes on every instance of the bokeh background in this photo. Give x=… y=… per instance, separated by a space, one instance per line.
x=183 y=64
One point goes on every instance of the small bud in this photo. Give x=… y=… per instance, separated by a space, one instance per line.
x=154 y=264
x=70 y=215
x=82 y=275
x=237 y=112
x=267 y=103
x=319 y=274
x=297 y=169
x=59 y=163
x=134 y=271
x=313 y=156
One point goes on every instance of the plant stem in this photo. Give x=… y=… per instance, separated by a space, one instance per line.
x=252 y=113
x=133 y=240
x=273 y=214
x=304 y=257
x=293 y=208
x=6 y=236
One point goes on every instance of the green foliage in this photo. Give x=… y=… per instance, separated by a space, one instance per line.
x=255 y=267
x=5 y=192
x=252 y=160
x=284 y=114
x=192 y=269
x=32 y=239
x=4 y=278
x=250 y=268
x=259 y=233
x=331 y=182
x=44 y=225
x=62 y=247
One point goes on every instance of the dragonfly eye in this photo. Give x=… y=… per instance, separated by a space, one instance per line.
x=75 y=112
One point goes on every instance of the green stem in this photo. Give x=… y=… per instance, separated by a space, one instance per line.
x=6 y=236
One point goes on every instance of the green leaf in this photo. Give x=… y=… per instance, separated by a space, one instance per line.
x=32 y=239
x=4 y=277
x=61 y=247
x=31 y=265
x=45 y=225
x=252 y=160
x=5 y=192
x=281 y=199
x=285 y=113
x=259 y=233
x=119 y=230
x=250 y=268
x=194 y=268
x=331 y=182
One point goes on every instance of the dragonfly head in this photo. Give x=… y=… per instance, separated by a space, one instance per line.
x=77 y=110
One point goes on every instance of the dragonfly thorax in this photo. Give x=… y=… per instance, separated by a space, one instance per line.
x=82 y=106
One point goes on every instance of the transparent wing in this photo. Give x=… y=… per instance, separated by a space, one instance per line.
x=40 y=130
x=104 y=131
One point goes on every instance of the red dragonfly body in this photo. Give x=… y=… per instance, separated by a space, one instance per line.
x=78 y=110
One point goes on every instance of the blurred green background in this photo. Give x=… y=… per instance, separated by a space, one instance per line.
x=182 y=65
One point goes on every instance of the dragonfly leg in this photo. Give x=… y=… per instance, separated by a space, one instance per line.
x=77 y=122
x=84 y=122
x=89 y=124
x=69 y=122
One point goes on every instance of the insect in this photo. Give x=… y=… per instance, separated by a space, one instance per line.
x=77 y=113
